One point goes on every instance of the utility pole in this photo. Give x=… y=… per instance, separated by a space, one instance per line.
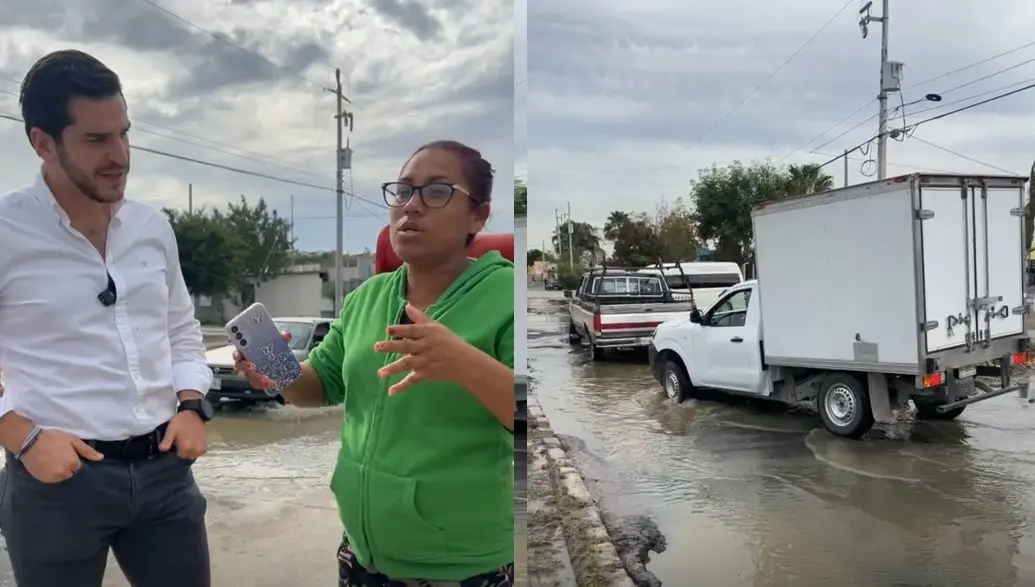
x=292 y=218
x=343 y=159
x=190 y=198
x=890 y=81
x=846 y=168
x=558 y=247
x=571 y=250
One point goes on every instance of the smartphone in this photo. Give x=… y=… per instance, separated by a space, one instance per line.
x=257 y=338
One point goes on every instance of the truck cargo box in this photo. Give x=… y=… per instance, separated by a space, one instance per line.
x=905 y=275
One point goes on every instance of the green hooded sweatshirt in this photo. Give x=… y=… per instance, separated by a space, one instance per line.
x=424 y=479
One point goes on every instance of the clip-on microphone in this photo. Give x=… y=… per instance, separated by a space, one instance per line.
x=110 y=295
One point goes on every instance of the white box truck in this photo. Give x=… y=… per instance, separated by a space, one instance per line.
x=867 y=297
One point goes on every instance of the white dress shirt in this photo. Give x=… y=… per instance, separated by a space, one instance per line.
x=69 y=362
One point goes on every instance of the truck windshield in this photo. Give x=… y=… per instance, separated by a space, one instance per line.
x=628 y=285
x=702 y=280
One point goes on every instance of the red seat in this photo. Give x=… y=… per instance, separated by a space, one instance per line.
x=385 y=259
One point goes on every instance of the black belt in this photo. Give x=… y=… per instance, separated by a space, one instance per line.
x=136 y=448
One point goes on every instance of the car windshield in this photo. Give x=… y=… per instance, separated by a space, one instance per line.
x=299 y=332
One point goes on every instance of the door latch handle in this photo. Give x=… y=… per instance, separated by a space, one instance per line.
x=736 y=339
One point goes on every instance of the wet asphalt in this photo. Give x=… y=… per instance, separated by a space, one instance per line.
x=271 y=519
x=746 y=495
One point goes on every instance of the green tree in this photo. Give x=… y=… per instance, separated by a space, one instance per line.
x=807 y=179
x=211 y=253
x=585 y=242
x=267 y=248
x=723 y=198
x=534 y=255
x=634 y=237
x=639 y=239
x=520 y=198
x=676 y=232
x=567 y=275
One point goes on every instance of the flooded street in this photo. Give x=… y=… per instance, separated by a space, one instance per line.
x=272 y=520
x=749 y=496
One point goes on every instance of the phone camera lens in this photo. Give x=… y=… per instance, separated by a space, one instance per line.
x=244 y=342
x=238 y=336
x=235 y=329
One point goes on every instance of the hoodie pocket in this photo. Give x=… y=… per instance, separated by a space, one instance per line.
x=399 y=530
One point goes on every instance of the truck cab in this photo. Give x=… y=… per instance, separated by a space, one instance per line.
x=720 y=348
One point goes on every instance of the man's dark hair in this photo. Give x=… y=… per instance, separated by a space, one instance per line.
x=54 y=80
x=478 y=172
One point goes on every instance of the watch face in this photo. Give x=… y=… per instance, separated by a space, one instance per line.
x=206 y=409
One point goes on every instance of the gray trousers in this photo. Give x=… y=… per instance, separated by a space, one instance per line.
x=150 y=513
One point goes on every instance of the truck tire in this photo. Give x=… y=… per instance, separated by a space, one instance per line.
x=595 y=354
x=675 y=382
x=844 y=405
x=573 y=333
x=926 y=410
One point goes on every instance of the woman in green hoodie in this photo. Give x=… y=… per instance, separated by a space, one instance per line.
x=422 y=359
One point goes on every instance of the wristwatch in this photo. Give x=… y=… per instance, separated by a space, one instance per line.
x=201 y=407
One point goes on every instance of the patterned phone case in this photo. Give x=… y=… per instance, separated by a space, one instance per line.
x=255 y=335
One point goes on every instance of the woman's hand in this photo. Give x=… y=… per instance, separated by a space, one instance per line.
x=432 y=351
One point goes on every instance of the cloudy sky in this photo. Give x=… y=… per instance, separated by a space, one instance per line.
x=416 y=71
x=622 y=94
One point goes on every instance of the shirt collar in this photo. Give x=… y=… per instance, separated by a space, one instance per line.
x=46 y=199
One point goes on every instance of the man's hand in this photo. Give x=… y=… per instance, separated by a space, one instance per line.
x=56 y=456
x=432 y=351
x=186 y=432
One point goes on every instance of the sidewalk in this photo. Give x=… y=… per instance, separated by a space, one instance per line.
x=567 y=541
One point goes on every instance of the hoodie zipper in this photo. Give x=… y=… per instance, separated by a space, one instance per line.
x=371 y=448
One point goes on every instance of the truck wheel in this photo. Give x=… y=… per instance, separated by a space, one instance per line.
x=675 y=382
x=844 y=405
x=926 y=410
x=573 y=333
x=595 y=354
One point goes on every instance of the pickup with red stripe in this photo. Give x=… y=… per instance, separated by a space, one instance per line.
x=619 y=309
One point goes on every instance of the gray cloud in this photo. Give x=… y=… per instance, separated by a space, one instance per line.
x=629 y=92
x=214 y=64
x=412 y=16
x=408 y=89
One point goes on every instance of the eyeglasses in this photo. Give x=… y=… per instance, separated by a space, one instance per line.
x=433 y=195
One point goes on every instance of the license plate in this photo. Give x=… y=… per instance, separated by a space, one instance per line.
x=967 y=372
x=217 y=384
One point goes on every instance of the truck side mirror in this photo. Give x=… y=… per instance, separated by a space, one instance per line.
x=696 y=317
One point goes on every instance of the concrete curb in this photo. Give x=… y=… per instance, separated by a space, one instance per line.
x=593 y=555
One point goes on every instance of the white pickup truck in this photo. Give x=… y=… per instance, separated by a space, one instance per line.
x=867 y=297
x=619 y=309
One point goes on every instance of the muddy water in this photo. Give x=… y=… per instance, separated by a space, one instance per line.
x=271 y=519
x=748 y=496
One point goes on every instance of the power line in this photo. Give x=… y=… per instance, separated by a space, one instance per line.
x=972 y=65
x=768 y=78
x=230 y=168
x=962 y=156
x=914 y=126
x=963 y=85
x=928 y=80
x=890 y=164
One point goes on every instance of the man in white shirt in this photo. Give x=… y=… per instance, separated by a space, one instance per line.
x=104 y=409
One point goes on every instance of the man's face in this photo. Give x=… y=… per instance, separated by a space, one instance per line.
x=94 y=149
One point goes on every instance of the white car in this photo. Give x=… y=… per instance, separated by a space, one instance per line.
x=228 y=385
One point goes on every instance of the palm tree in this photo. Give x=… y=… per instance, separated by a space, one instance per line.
x=807 y=179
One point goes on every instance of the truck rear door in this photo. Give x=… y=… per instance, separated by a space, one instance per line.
x=973 y=254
